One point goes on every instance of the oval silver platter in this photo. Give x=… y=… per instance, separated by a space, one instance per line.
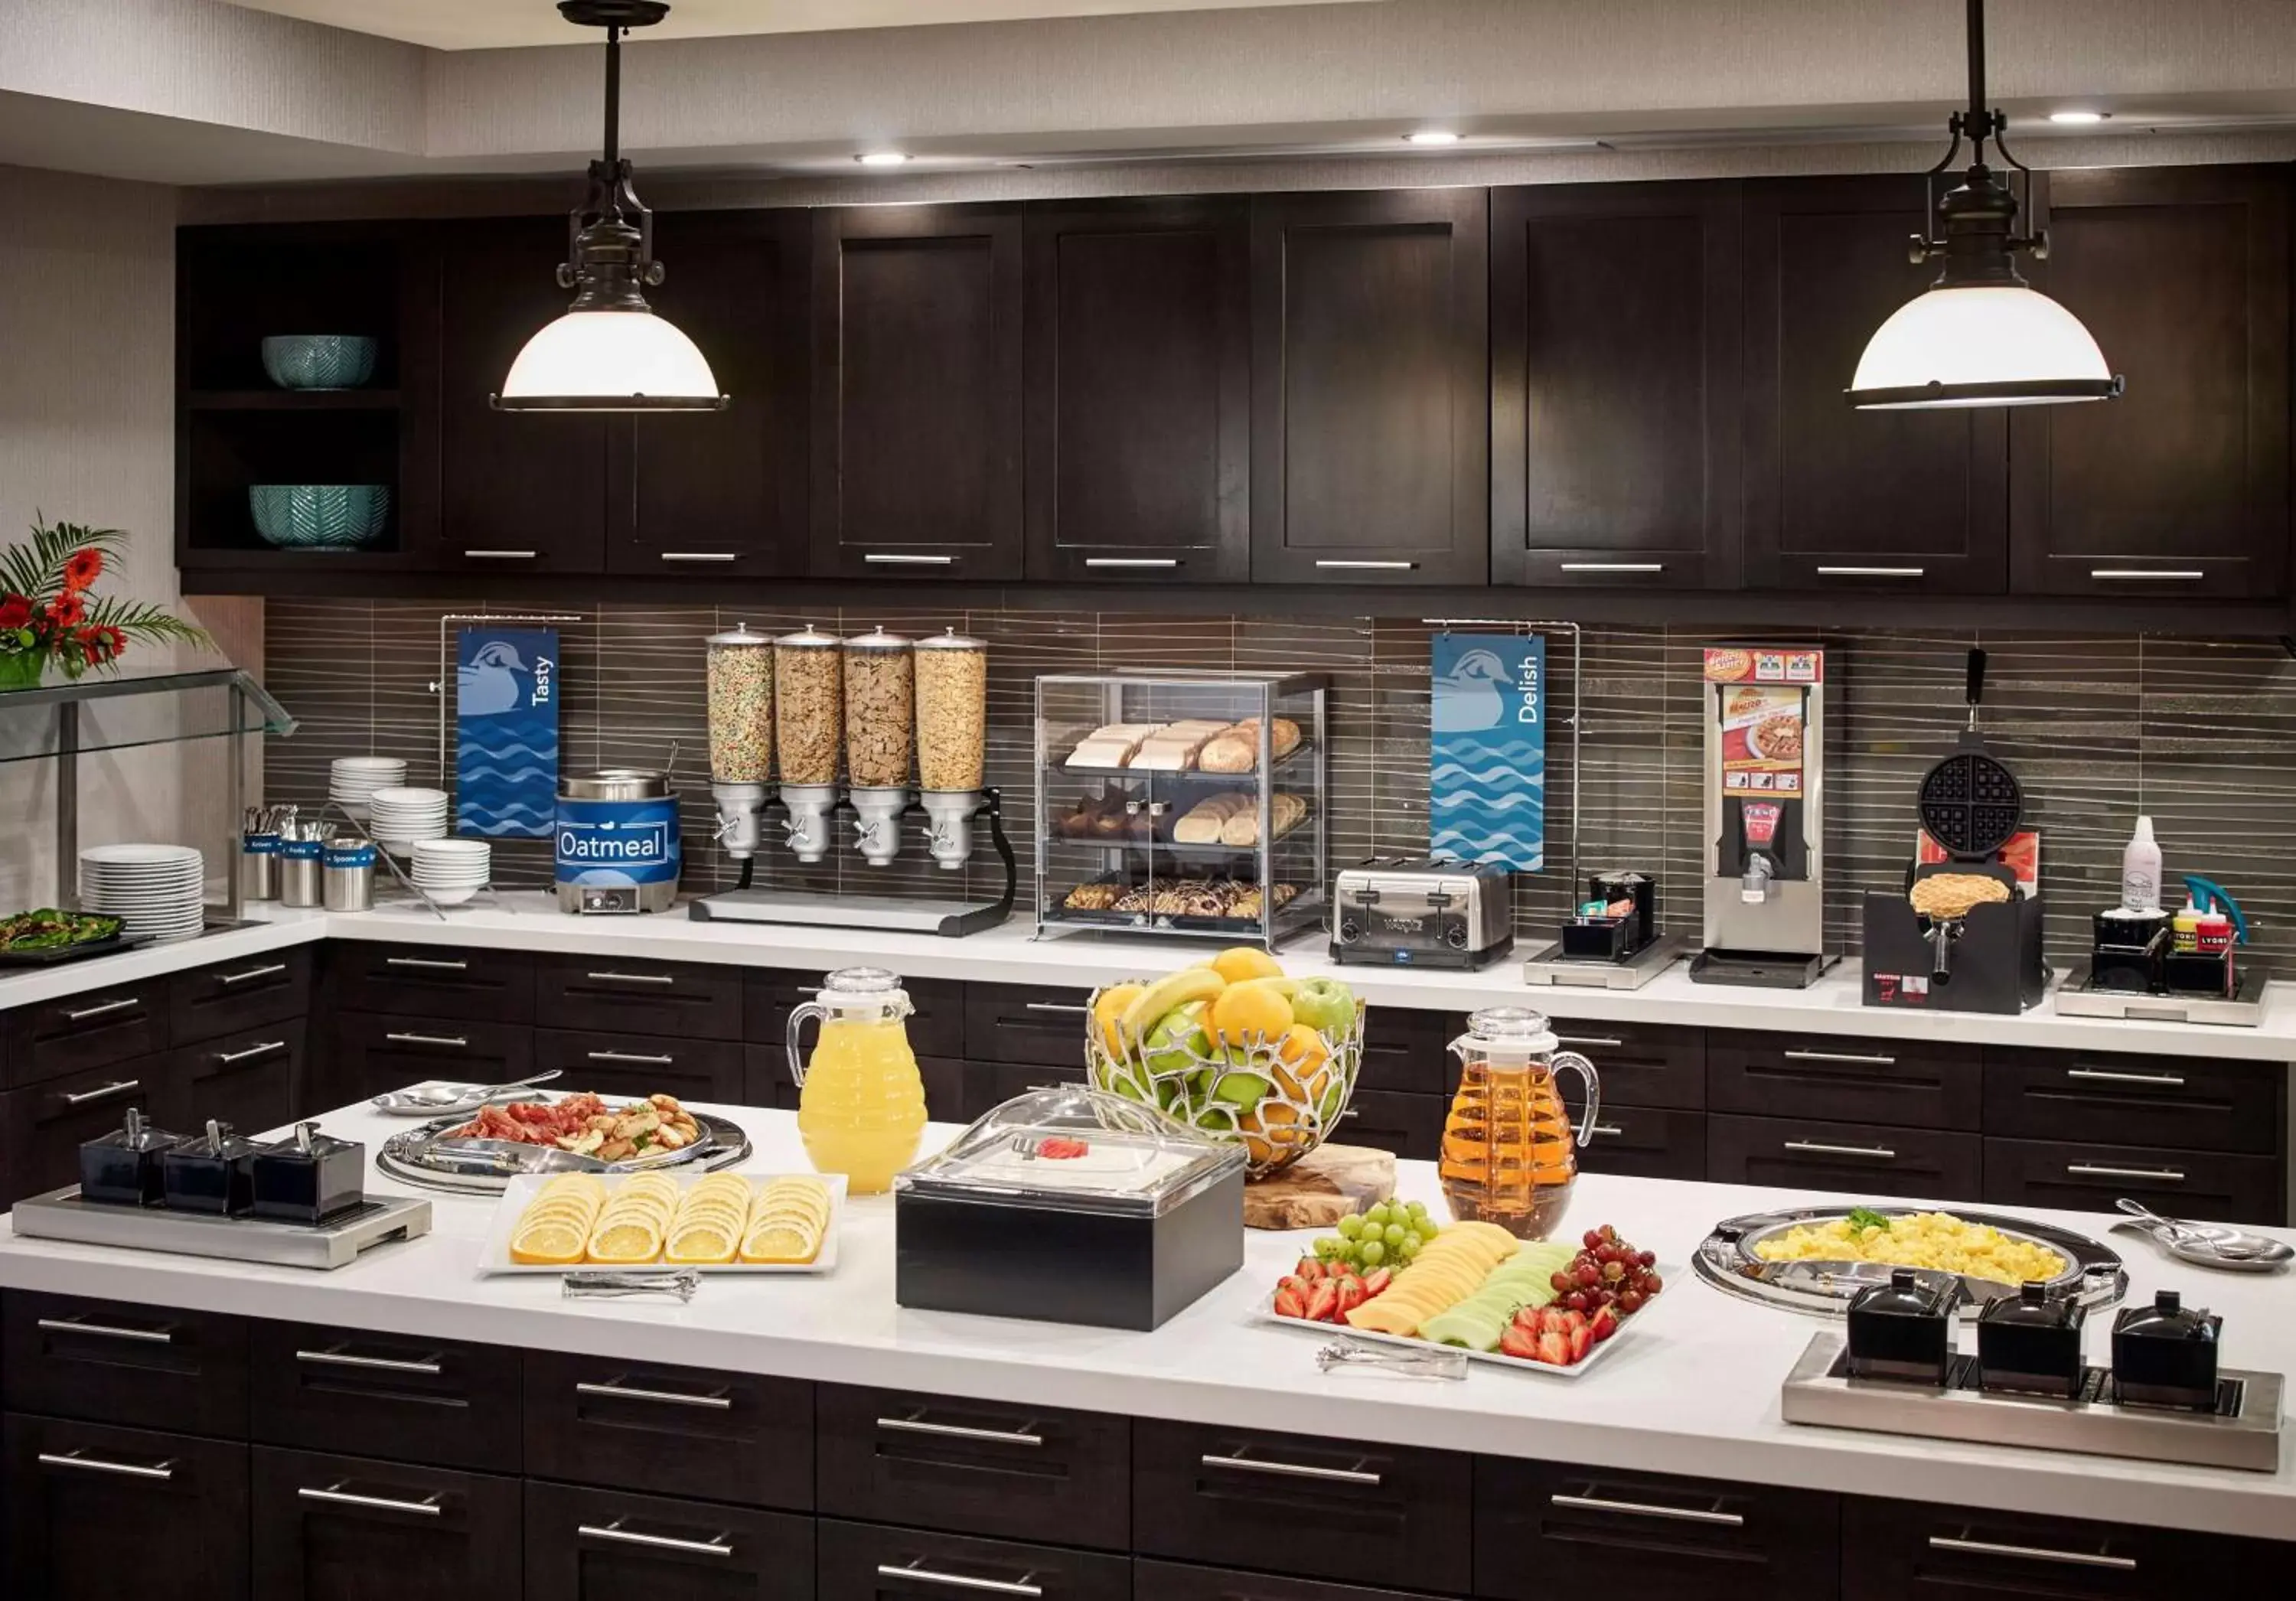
x=486 y=1167
x=1727 y=1259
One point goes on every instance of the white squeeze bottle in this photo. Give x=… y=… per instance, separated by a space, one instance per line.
x=2140 y=870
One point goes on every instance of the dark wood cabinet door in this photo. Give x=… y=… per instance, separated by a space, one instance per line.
x=493 y=986
x=1154 y=1580
x=610 y=1545
x=2082 y=1177
x=1139 y=373
x=519 y=492
x=2180 y=487
x=1641 y=1063
x=75 y=1033
x=96 y=1513
x=1616 y=335
x=1024 y=1023
x=1911 y=1551
x=916 y=392
x=1857 y=1158
x=211 y=1002
x=935 y=1023
x=2186 y=1102
x=679 y=1000
x=372 y=1053
x=1408 y=1124
x=710 y=494
x=344 y=1529
x=393 y=1396
x=869 y=1562
x=672 y=1431
x=1643 y=1142
x=1897 y=1083
x=633 y=1066
x=1838 y=499
x=43 y=1126
x=1370 y=391
x=253 y=1080
x=108 y=1361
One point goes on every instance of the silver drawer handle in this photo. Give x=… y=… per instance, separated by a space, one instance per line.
x=632 y=978
x=105 y=1010
x=2175 y=575
x=1871 y=573
x=343 y=1358
x=1340 y=566
x=716 y=1545
x=668 y=1398
x=883 y=558
x=265 y=1049
x=1856 y=1058
x=2079 y=1559
x=336 y=1495
x=957 y=1431
x=1610 y=566
x=1132 y=561
x=451 y=1041
x=500 y=555
x=1060 y=1006
x=1599 y=1042
x=105 y=1330
x=960 y=1581
x=701 y=556
x=631 y=1057
x=2084 y=1169
x=1606 y=1130
x=1680 y=1514
x=1294 y=1470
x=253 y=973
x=105 y=1465
x=86 y=1096
x=439 y=963
x=1810 y=1148
x=2102 y=1076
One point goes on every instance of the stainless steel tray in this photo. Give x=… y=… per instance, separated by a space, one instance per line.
x=2242 y=1009
x=62 y=1215
x=1725 y=1260
x=485 y=1167
x=2243 y=1432
x=1547 y=966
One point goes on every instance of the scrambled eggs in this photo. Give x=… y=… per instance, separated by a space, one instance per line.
x=1928 y=1239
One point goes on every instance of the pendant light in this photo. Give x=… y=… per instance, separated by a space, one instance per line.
x=1980 y=335
x=610 y=352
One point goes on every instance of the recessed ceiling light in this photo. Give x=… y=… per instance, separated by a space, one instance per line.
x=881 y=158
x=1432 y=136
x=2079 y=116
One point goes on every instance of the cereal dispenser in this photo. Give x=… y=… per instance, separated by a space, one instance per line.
x=808 y=667
x=879 y=726
x=741 y=735
x=952 y=695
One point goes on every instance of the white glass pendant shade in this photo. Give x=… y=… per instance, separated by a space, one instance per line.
x=610 y=361
x=1992 y=344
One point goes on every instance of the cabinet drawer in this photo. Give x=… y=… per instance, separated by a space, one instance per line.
x=1022 y=1022
x=684 y=1000
x=421 y=980
x=2205 y=1185
x=1857 y=1159
x=42 y=1125
x=1906 y=1550
x=1320 y=1509
x=252 y=1079
x=395 y=1396
x=936 y=1027
x=1641 y=1064
x=2185 y=1103
x=676 y=1431
x=1406 y=1050
x=80 y=1033
x=102 y=1512
x=609 y=1545
x=866 y=1562
x=374 y=1053
x=1410 y=1125
x=989 y=1084
x=1013 y=1472
x=1845 y=1080
x=637 y=1065
x=233 y=996
x=109 y=1362
x=330 y=1526
x=766 y=1082
x=1643 y=1143
x=1154 y=1581
x=1548 y=1528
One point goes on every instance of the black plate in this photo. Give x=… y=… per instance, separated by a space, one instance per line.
x=122 y=940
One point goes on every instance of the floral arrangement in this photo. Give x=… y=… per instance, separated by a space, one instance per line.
x=49 y=616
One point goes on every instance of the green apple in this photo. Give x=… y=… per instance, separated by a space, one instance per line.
x=1240 y=1089
x=1169 y=1045
x=1324 y=1005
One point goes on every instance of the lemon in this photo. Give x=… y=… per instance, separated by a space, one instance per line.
x=628 y=1240
x=779 y=1244
x=701 y=1243
x=552 y=1243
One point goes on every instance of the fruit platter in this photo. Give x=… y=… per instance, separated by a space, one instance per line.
x=711 y=1222
x=1234 y=1048
x=1392 y=1274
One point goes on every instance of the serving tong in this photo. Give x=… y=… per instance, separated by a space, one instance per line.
x=606 y=1283
x=1433 y=1362
x=2208 y=1245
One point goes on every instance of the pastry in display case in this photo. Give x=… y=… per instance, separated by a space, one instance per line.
x=1183 y=803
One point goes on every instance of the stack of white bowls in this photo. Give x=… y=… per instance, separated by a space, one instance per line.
x=400 y=817
x=352 y=780
x=155 y=891
x=451 y=871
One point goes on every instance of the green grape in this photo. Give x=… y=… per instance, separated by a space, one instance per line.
x=1428 y=1228
x=1373 y=1253
x=1413 y=1239
x=1350 y=1227
x=1417 y=1208
x=1376 y=1217
x=1395 y=1235
x=1326 y=1248
x=1409 y=1249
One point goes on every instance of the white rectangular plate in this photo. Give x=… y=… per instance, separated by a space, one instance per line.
x=494 y=1256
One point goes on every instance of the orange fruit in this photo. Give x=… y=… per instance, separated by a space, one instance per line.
x=1241 y=961
x=1304 y=1062
x=1242 y=1012
x=1271 y=1131
x=1108 y=1012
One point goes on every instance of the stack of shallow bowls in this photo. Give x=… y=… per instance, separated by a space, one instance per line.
x=451 y=871
x=400 y=817
x=352 y=780
x=155 y=891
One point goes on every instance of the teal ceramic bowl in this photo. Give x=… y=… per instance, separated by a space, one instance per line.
x=319 y=516
x=319 y=361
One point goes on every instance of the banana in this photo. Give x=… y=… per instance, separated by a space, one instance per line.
x=1173 y=989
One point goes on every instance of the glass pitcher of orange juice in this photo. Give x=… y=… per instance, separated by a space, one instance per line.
x=861 y=1104
x=1509 y=1152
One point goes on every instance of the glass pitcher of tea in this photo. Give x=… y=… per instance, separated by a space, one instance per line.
x=861 y=1103
x=1509 y=1149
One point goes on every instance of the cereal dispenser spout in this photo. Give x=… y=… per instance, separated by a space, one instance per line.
x=877 y=811
x=950 y=835
x=741 y=817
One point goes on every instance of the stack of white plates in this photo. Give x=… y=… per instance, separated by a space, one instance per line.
x=400 y=817
x=155 y=891
x=352 y=780
x=451 y=871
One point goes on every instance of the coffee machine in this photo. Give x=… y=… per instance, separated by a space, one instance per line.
x=1764 y=710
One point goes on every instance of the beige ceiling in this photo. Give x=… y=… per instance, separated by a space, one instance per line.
x=488 y=24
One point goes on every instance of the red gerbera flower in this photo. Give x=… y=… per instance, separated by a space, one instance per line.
x=81 y=568
x=104 y=640
x=15 y=612
x=66 y=609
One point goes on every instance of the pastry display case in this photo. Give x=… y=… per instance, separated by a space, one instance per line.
x=1185 y=803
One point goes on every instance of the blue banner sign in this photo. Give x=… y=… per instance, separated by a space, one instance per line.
x=1486 y=761
x=506 y=732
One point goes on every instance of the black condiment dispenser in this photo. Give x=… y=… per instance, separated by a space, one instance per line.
x=308 y=1176
x=2164 y=1355
x=2031 y=1344
x=212 y=1173
x=1902 y=1330
x=122 y=1168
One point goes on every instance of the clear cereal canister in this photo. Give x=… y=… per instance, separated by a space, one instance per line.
x=952 y=711
x=809 y=670
x=741 y=706
x=879 y=709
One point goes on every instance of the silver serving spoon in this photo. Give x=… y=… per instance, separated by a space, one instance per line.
x=447 y=1097
x=2205 y=1243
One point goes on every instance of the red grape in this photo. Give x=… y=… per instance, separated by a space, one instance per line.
x=1630 y=1302
x=1591 y=1238
x=1614 y=1272
x=1588 y=1275
x=1648 y=1259
x=1652 y=1283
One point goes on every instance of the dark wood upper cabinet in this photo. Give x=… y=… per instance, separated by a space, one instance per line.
x=1615 y=389
x=702 y=493
x=2180 y=487
x=1911 y=502
x=518 y=491
x=917 y=386
x=1139 y=380
x=1371 y=398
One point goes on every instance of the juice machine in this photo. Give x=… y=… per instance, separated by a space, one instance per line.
x=1765 y=718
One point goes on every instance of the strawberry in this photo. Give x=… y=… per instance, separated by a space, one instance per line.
x=1572 y=1322
x=1378 y=1280
x=1580 y=1339
x=1289 y=1302
x=1554 y=1349
x=1518 y=1343
x=1309 y=1268
x=1554 y=1320
x=1324 y=1305
x=1602 y=1324
x=1351 y=1295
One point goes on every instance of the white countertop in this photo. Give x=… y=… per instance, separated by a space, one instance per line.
x=1693 y=1390
x=1011 y=954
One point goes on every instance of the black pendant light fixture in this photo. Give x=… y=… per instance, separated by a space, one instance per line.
x=610 y=352
x=1980 y=335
